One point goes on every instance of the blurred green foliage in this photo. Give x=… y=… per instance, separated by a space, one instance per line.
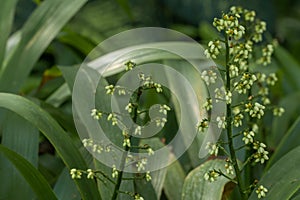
x=31 y=56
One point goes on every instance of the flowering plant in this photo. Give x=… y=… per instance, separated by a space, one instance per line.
x=246 y=93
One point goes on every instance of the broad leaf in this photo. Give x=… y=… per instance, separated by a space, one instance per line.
x=37 y=182
x=290 y=140
x=55 y=134
x=196 y=187
x=282 y=179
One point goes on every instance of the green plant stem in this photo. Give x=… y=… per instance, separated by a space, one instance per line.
x=229 y=128
x=126 y=148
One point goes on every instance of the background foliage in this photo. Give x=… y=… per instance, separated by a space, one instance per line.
x=41 y=42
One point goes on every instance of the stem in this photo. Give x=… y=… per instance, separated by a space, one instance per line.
x=229 y=128
x=126 y=148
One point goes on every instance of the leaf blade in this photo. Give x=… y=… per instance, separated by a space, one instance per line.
x=55 y=134
x=32 y=175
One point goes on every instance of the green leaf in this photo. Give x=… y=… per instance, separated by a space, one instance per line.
x=290 y=140
x=23 y=138
x=55 y=134
x=282 y=179
x=7 y=11
x=174 y=181
x=289 y=66
x=126 y=6
x=196 y=187
x=37 y=33
x=37 y=182
x=59 y=96
x=281 y=124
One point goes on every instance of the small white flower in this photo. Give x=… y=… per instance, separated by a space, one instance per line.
x=164 y=109
x=115 y=172
x=221 y=122
x=238 y=120
x=278 y=111
x=213 y=50
x=261 y=191
x=110 y=89
x=229 y=168
x=228 y=97
x=160 y=122
x=150 y=151
x=141 y=164
x=129 y=65
x=233 y=71
x=261 y=155
x=126 y=142
x=97 y=148
x=138 y=130
x=256 y=110
x=209 y=76
x=87 y=142
x=202 y=125
x=138 y=197
x=121 y=91
x=272 y=79
x=213 y=149
x=220 y=94
x=96 y=114
x=249 y=15
x=148 y=176
x=248 y=136
x=211 y=176
x=90 y=174
x=266 y=100
x=113 y=118
x=158 y=87
x=129 y=107
x=75 y=173
x=208 y=104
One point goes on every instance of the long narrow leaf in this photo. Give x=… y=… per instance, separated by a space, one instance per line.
x=37 y=182
x=55 y=134
x=23 y=138
x=7 y=10
x=37 y=33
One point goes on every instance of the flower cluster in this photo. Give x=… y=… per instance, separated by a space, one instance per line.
x=95 y=146
x=266 y=55
x=261 y=155
x=245 y=83
x=211 y=176
x=261 y=191
x=229 y=167
x=115 y=172
x=129 y=65
x=96 y=114
x=246 y=90
x=213 y=149
x=213 y=51
x=256 y=110
x=76 y=173
x=141 y=164
x=202 y=125
x=149 y=83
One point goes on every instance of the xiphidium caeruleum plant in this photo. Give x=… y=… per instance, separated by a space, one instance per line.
x=134 y=110
x=246 y=93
